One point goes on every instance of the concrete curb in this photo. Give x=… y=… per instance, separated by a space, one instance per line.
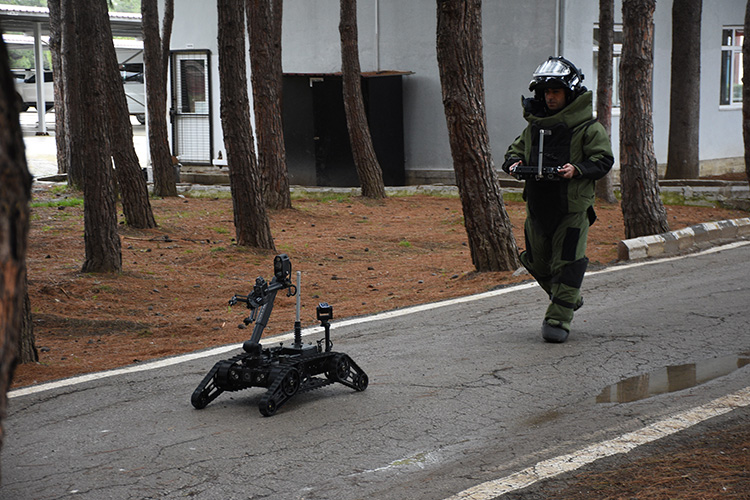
x=683 y=240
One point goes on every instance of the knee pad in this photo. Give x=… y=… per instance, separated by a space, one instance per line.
x=572 y=274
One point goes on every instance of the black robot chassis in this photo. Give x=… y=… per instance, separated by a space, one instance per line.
x=283 y=370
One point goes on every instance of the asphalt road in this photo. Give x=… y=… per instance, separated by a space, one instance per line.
x=460 y=393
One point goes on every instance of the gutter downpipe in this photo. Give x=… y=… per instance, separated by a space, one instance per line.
x=377 y=35
x=559 y=26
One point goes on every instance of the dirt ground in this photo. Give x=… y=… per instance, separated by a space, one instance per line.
x=361 y=256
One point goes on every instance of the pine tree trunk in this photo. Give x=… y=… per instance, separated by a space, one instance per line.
x=86 y=111
x=15 y=193
x=135 y=201
x=264 y=28
x=368 y=168
x=683 y=161
x=605 y=190
x=61 y=135
x=250 y=218
x=642 y=208
x=459 y=53
x=156 y=60
x=746 y=93
x=74 y=164
x=27 y=352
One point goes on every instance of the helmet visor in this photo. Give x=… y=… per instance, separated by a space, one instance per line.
x=552 y=68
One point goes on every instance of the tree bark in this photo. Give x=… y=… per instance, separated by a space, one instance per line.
x=459 y=54
x=250 y=218
x=605 y=190
x=746 y=93
x=264 y=29
x=61 y=134
x=27 y=351
x=74 y=164
x=642 y=208
x=86 y=110
x=683 y=161
x=368 y=168
x=156 y=62
x=133 y=189
x=15 y=193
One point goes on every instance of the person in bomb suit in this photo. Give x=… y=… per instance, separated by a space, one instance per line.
x=559 y=206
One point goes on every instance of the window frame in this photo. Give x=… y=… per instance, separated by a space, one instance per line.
x=731 y=57
x=616 y=56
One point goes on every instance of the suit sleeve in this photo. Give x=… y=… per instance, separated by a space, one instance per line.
x=514 y=153
x=597 y=153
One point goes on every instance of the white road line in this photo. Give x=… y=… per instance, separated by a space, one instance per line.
x=155 y=365
x=621 y=444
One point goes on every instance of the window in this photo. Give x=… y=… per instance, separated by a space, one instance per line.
x=616 y=52
x=731 y=66
x=193 y=86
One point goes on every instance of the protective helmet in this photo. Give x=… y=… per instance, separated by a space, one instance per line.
x=557 y=72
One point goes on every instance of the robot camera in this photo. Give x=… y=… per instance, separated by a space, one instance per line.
x=282 y=268
x=325 y=312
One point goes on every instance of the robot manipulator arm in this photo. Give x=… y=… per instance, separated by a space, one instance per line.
x=263 y=292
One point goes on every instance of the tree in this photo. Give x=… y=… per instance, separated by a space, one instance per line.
x=683 y=161
x=86 y=110
x=746 y=93
x=15 y=193
x=135 y=202
x=459 y=54
x=250 y=219
x=27 y=351
x=61 y=134
x=156 y=61
x=605 y=186
x=642 y=208
x=133 y=189
x=264 y=31
x=368 y=168
x=66 y=163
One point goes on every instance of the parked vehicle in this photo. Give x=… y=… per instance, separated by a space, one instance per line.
x=132 y=82
x=27 y=89
x=135 y=90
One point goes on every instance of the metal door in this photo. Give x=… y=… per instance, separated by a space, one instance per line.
x=191 y=107
x=334 y=164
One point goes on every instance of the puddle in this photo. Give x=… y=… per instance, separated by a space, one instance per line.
x=671 y=379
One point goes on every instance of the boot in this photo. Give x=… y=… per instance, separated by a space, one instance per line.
x=554 y=333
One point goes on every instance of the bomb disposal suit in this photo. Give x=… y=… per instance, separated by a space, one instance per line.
x=559 y=207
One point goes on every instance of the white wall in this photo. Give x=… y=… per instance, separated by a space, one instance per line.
x=720 y=132
x=721 y=129
x=518 y=35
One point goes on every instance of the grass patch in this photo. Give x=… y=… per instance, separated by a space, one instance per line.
x=215 y=194
x=677 y=198
x=65 y=202
x=321 y=196
x=513 y=196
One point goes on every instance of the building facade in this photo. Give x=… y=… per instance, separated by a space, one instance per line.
x=398 y=37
